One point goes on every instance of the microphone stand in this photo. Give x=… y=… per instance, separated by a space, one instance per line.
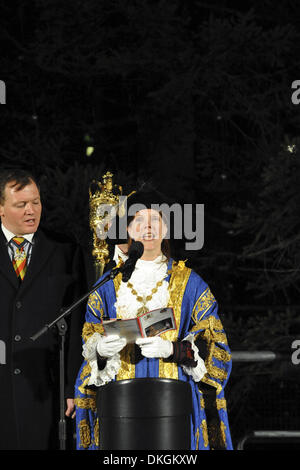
x=61 y=325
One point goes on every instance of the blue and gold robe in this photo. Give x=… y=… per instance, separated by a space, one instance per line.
x=196 y=312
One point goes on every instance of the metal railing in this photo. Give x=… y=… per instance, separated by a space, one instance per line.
x=263 y=356
x=254 y=356
x=291 y=436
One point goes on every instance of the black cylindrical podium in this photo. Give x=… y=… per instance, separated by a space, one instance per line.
x=144 y=414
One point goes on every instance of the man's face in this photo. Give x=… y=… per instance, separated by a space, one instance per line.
x=21 y=210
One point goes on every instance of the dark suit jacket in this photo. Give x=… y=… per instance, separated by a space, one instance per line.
x=29 y=380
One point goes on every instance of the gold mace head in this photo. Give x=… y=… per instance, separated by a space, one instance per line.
x=105 y=202
x=103 y=197
x=102 y=200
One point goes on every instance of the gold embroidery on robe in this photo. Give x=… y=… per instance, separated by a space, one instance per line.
x=203 y=304
x=212 y=333
x=178 y=281
x=204 y=432
x=86 y=403
x=222 y=355
x=211 y=323
x=217 y=373
x=96 y=432
x=221 y=404
x=223 y=432
x=127 y=368
x=96 y=305
x=212 y=382
x=197 y=437
x=85 y=371
x=90 y=328
x=84 y=390
x=214 y=337
x=84 y=433
x=117 y=282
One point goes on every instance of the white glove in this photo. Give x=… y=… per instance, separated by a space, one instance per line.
x=155 y=347
x=108 y=346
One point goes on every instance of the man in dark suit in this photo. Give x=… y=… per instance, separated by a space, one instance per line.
x=38 y=276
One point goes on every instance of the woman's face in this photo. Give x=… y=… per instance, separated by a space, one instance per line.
x=148 y=227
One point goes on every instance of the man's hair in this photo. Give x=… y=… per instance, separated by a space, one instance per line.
x=20 y=178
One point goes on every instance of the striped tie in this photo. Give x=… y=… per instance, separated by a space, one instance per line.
x=19 y=260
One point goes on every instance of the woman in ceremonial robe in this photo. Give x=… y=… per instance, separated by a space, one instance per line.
x=196 y=352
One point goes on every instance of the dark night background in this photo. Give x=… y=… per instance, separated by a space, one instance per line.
x=196 y=96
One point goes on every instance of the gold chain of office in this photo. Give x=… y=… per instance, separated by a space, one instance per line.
x=144 y=299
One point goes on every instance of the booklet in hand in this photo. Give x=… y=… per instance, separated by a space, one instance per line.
x=151 y=323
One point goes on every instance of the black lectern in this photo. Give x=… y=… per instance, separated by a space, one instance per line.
x=144 y=414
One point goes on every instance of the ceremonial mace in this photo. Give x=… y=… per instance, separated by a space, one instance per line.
x=104 y=205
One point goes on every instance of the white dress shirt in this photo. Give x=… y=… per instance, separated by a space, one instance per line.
x=11 y=247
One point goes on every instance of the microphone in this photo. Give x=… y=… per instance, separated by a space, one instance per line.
x=135 y=251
